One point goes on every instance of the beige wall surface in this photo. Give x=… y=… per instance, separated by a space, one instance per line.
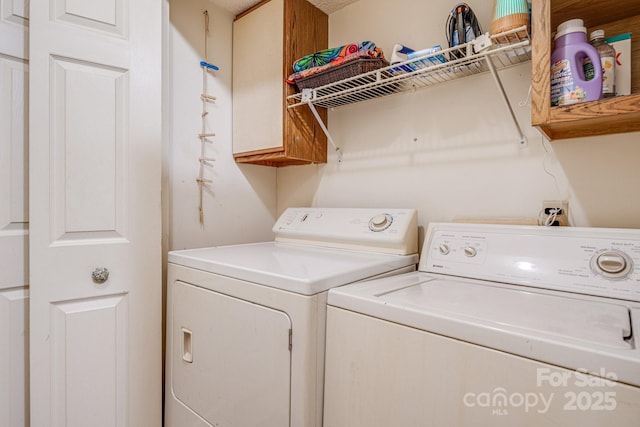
x=451 y=150
x=240 y=204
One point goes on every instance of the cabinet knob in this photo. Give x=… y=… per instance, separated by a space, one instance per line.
x=100 y=275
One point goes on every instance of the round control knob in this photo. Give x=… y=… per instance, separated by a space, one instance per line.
x=470 y=251
x=611 y=262
x=443 y=248
x=380 y=222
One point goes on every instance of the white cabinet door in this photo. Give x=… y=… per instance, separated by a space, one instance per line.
x=14 y=214
x=258 y=39
x=95 y=129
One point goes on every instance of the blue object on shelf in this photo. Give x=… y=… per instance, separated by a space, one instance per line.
x=210 y=66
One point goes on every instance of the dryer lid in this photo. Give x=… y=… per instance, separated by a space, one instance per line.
x=292 y=267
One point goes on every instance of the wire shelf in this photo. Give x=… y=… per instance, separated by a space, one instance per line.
x=507 y=49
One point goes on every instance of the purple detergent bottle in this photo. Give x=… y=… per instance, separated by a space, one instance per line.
x=574 y=78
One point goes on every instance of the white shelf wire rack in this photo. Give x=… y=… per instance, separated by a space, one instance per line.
x=507 y=49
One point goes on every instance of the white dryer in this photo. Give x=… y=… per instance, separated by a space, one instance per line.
x=501 y=326
x=246 y=323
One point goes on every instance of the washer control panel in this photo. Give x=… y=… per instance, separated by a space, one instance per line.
x=380 y=230
x=594 y=261
x=459 y=249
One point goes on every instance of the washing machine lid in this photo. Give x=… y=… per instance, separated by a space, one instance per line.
x=563 y=317
x=572 y=330
x=292 y=267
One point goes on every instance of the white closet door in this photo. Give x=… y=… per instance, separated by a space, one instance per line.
x=14 y=214
x=95 y=127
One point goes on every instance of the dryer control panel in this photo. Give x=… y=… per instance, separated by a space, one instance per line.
x=592 y=261
x=393 y=231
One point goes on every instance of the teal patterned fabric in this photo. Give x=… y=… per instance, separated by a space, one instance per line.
x=330 y=58
x=327 y=56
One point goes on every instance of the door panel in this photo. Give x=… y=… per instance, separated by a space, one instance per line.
x=14 y=26
x=14 y=214
x=13 y=78
x=88 y=178
x=105 y=15
x=14 y=208
x=95 y=133
x=257 y=96
x=89 y=383
x=230 y=358
x=14 y=345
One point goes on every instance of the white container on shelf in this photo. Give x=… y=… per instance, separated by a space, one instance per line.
x=622 y=45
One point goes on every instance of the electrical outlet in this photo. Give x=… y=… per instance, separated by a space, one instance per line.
x=562 y=218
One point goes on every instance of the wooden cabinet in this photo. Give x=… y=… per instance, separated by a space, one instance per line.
x=266 y=40
x=607 y=116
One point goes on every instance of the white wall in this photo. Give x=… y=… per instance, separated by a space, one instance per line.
x=240 y=204
x=450 y=151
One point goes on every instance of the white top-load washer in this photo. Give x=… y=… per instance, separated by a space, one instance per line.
x=501 y=325
x=246 y=323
